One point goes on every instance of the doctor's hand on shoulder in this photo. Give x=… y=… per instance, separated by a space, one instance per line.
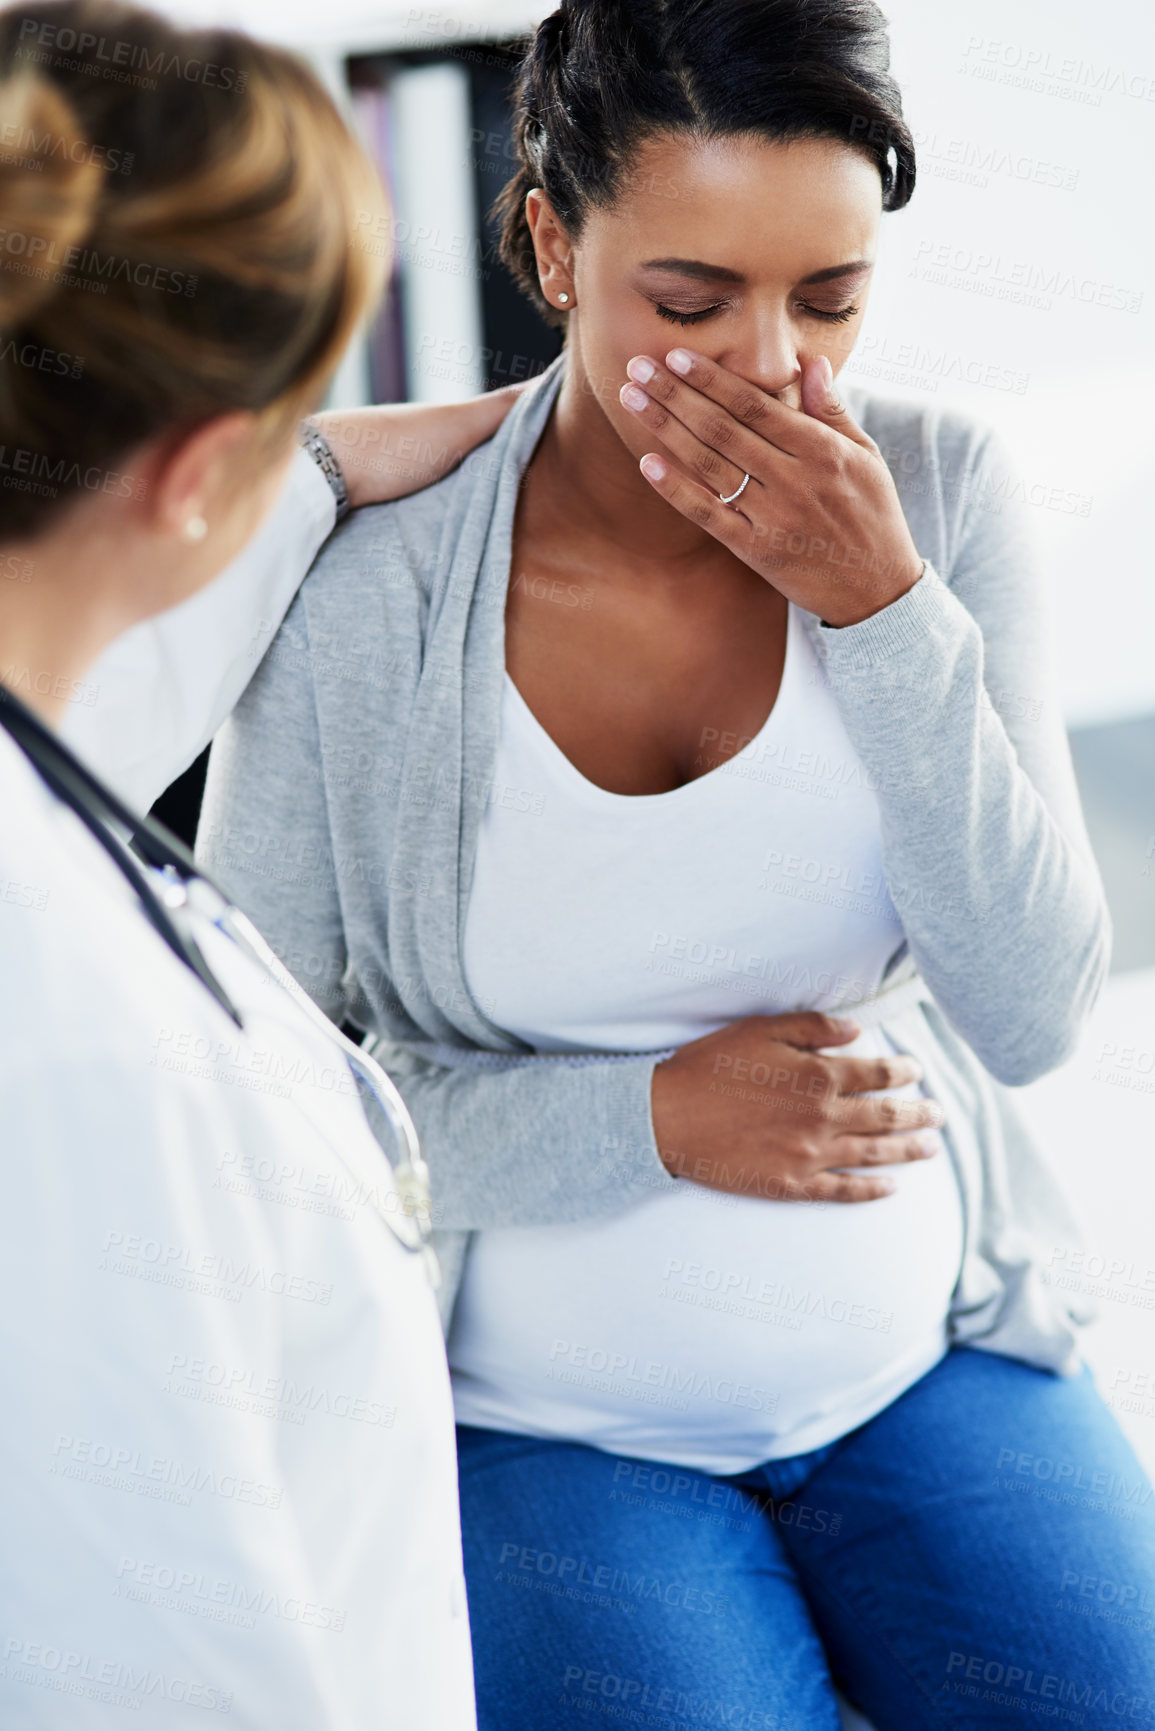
x=162 y=690
x=388 y=450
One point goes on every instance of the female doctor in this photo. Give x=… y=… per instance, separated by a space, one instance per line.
x=227 y=1464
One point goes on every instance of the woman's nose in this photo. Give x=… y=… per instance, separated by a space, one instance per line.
x=768 y=355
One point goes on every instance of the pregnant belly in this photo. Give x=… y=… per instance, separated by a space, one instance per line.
x=709 y=1330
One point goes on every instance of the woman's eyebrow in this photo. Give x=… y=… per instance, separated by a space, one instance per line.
x=695 y=268
x=702 y=272
x=854 y=268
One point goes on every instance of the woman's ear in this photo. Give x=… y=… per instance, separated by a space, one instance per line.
x=552 y=249
x=195 y=475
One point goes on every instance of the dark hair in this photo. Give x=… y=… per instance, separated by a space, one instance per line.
x=600 y=76
x=177 y=211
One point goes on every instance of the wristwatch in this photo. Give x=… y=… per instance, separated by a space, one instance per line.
x=321 y=451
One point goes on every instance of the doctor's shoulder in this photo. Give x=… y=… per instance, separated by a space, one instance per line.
x=80 y=962
x=120 y=1073
x=121 y=1077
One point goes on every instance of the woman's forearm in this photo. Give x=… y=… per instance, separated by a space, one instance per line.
x=389 y=449
x=986 y=862
x=544 y=1143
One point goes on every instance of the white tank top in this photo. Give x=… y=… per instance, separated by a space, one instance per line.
x=706 y=1330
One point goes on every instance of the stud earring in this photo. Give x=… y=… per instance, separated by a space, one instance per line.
x=195 y=529
x=563 y=298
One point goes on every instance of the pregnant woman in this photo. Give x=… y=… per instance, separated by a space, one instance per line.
x=592 y=781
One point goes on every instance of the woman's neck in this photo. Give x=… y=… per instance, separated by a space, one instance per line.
x=596 y=491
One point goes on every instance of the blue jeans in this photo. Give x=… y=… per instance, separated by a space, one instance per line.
x=980 y=1553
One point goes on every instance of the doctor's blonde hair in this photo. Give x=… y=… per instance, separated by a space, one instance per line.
x=178 y=222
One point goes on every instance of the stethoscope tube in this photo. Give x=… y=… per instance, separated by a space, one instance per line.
x=98 y=808
x=186 y=888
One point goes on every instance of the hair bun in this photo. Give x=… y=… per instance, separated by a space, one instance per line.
x=49 y=192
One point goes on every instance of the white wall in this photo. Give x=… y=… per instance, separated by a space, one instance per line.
x=1020 y=284
x=1043 y=288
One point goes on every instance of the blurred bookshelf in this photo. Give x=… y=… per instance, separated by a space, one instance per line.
x=437 y=124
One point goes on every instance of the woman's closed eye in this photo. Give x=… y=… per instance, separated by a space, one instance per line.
x=691 y=317
x=694 y=315
x=837 y=316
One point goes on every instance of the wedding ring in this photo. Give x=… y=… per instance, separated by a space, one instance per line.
x=728 y=498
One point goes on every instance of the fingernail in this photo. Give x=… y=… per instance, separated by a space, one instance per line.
x=641 y=368
x=633 y=398
x=937 y=1114
x=928 y=1144
x=848 y=1024
x=679 y=360
x=889 y=1186
x=653 y=468
x=833 y=400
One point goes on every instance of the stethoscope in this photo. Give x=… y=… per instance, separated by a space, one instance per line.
x=183 y=890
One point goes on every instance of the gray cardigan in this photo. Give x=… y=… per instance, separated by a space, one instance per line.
x=346 y=791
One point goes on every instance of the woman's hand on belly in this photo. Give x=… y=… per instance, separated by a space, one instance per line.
x=759 y=1109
